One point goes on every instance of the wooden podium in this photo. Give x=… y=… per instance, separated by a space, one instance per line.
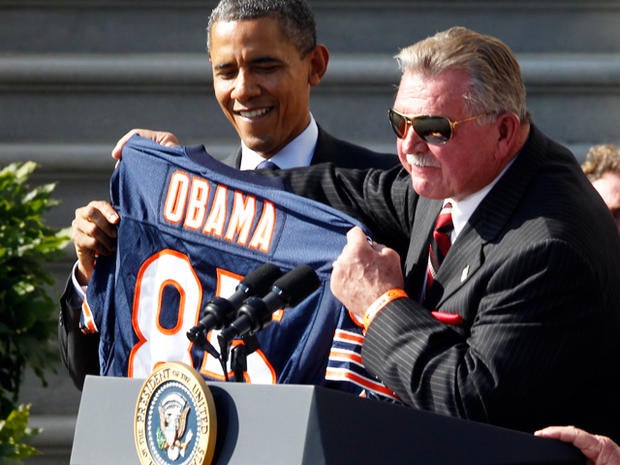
x=294 y=424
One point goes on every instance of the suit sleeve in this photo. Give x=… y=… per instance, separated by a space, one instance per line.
x=527 y=348
x=380 y=199
x=79 y=352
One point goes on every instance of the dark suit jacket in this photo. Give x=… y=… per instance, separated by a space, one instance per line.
x=79 y=352
x=529 y=333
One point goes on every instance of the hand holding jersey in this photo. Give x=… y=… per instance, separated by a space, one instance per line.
x=363 y=265
x=93 y=232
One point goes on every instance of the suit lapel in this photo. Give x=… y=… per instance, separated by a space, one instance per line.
x=324 y=150
x=489 y=220
x=234 y=159
x=417 y=255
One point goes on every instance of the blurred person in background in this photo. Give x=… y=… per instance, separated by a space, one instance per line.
x=602 y=166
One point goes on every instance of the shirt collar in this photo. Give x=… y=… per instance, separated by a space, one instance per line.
x=463 y=209
x=298 y=152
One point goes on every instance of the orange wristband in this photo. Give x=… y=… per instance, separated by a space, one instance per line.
x=380 y=303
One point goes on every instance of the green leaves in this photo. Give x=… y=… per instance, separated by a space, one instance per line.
x=27 y=312
x=14 y=436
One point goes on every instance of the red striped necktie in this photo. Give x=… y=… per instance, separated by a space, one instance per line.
x=440 y=243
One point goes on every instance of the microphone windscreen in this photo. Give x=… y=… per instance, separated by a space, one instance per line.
x=297 y=284
x=260 y=280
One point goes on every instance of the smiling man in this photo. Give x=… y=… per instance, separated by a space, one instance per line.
x=265 y=60
x=262 y=81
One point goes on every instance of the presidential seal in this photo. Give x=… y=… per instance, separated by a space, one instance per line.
x=175 y=420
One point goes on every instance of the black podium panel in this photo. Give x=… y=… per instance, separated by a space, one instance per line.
x=293 y=424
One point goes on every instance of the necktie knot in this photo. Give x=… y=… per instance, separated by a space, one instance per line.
x=444 y=219
x=442 y=231
x=267 y=165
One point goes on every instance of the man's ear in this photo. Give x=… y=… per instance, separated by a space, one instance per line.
x=319 y=57
x=508 y=131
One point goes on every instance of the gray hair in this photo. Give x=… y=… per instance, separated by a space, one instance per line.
x=496 y=82
x=295 y=17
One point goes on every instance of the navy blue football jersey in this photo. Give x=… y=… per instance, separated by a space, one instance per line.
x=191 y=228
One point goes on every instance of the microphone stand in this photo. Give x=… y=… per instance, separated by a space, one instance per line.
x=256 y=313
x=200 y=340
x=239 y=355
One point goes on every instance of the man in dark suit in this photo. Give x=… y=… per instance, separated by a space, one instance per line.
x=265 y=60
x=519 y=325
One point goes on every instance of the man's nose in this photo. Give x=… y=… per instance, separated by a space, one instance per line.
x=412 y=142
x=246 y=86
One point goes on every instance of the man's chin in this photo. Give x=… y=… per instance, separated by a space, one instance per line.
x=259 y=145
x=426 y=189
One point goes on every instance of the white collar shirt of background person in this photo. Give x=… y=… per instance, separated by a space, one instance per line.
x=296 y=153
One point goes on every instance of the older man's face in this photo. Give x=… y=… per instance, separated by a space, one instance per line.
x=463 y=165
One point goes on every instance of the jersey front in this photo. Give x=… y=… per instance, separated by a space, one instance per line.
x=191 y=228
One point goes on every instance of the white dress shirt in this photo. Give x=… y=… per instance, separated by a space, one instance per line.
x=462 y=210
x=296 y=153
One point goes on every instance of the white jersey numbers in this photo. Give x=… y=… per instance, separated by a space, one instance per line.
x=157 y=343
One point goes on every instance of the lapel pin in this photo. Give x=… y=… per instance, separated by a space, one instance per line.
x=465 y=273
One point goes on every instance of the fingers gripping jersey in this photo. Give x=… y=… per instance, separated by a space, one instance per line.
x=191 y=228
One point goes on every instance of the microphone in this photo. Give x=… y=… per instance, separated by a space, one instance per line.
x=219 y=311
x=255 y=313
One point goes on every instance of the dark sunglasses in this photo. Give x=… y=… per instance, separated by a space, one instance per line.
x=433 y=129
